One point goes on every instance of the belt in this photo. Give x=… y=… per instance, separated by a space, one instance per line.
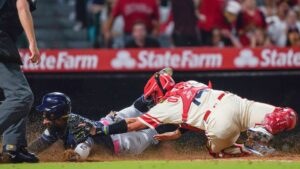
x=208 y=112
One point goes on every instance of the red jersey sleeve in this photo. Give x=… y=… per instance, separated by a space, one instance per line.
x=168 y=112
x=150 y=121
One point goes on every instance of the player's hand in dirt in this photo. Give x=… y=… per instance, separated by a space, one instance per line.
x=168 y=136
x=71 y=155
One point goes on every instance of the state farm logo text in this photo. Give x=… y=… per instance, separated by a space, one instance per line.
x=268 y=58
x=274 y=58
x=61 y=61
x=186 y=59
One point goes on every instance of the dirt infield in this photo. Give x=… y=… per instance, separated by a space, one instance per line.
x=165 y=151
x=189 y=147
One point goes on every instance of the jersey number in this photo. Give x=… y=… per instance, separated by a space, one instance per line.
x=197 y=98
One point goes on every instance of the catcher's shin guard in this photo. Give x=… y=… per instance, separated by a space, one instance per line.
x=281 y=119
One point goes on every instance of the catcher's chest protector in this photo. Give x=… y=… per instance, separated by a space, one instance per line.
x=187 y=92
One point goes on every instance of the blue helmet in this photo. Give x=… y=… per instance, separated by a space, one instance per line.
x=55 y=105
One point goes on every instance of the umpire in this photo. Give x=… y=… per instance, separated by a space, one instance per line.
x=15 y=16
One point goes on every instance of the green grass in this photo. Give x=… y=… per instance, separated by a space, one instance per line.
x=207 y=164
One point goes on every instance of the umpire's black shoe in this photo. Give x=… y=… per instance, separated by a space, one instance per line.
x=12 y=154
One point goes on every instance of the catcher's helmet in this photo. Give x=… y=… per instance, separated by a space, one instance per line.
x=55 y=105
x=158 y=85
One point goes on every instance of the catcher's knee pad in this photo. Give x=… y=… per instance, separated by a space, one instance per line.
x=281 y=119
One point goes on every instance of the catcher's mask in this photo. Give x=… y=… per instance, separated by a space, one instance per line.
x=158 y=85
x=55 y=106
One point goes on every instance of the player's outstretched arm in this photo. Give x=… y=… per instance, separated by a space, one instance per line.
x=42 y=143
x=38 y=145
x=82 y=127
x=168 y=136
x=133 y=124
x=124 y=126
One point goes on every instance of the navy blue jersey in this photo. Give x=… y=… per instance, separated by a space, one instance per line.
x=51 y=135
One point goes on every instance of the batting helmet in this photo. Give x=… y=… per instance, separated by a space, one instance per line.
x=55 y=105
x=158 y=85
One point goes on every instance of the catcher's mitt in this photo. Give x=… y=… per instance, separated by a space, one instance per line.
x=71 y=155
x=80 y=127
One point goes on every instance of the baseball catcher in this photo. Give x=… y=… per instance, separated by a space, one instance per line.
x=61 y=124
x=222 y=115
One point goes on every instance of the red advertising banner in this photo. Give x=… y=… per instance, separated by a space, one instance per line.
x=182 y=59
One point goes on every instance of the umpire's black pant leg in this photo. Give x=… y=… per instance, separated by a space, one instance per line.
x=18 y=101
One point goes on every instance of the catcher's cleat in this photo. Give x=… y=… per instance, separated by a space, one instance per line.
x=258 y=141
x=260 y=150
x=260 y=135
x=11 y=154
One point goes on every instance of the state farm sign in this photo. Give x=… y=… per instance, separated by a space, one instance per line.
x=150 y=59
x=183 y=59
x=268 y=58
x=61 y=60
x=275 y=58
